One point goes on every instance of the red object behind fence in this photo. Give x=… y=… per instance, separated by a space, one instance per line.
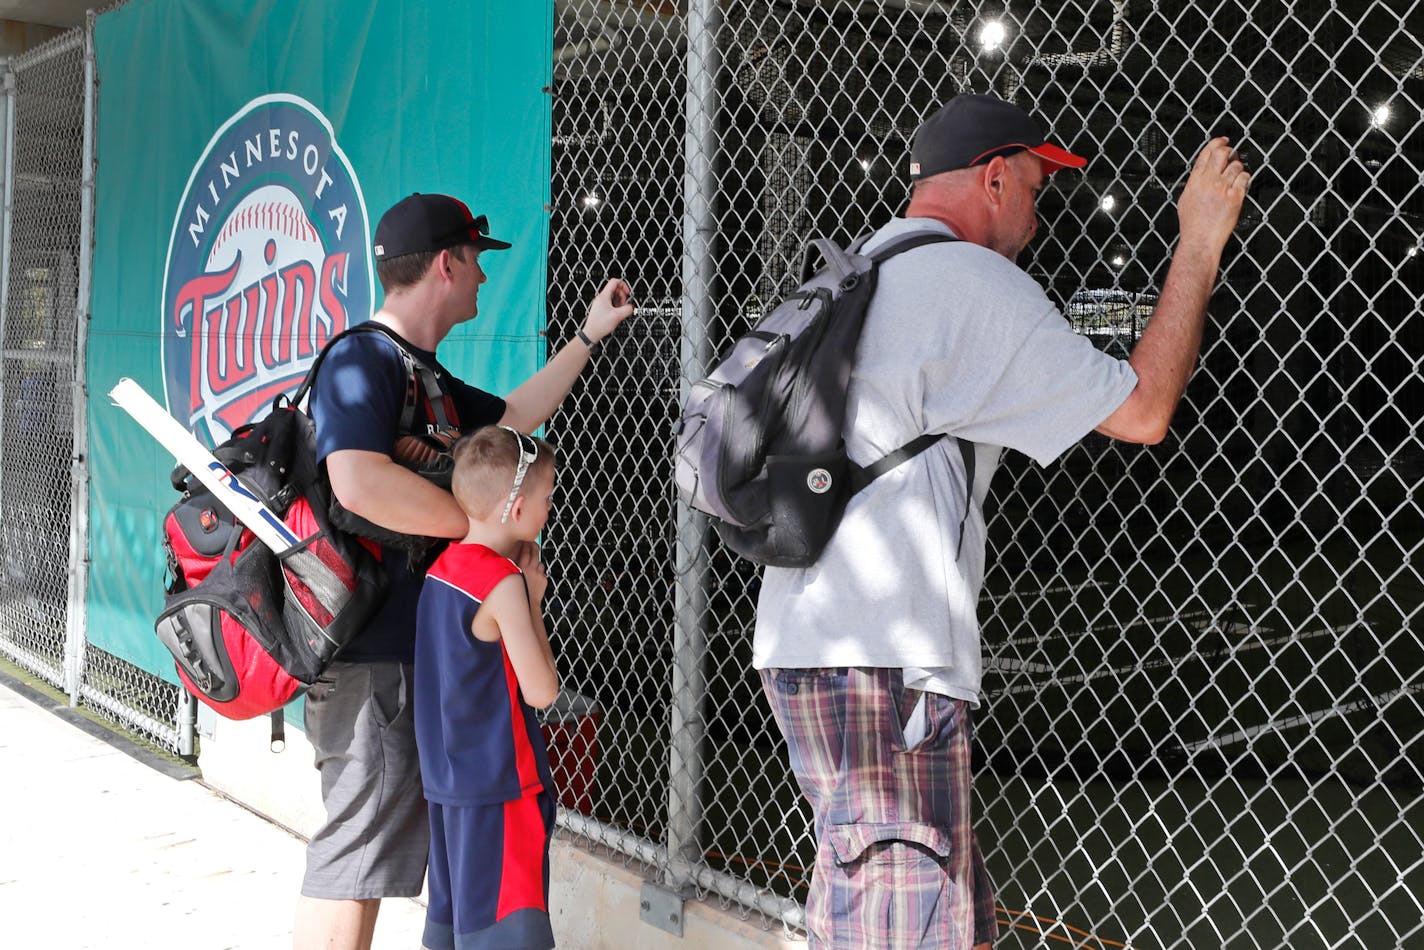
x=571 y=731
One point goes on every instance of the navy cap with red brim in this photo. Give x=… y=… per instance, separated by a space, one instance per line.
x=422 y=223
x=971 y=129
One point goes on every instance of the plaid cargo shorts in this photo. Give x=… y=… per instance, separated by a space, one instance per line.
x=897 y=863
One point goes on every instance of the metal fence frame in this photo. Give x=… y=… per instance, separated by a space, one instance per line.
x=49 y=97
x=690 y=784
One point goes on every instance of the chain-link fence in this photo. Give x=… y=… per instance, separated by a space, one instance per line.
x=44 y=268
x=40 y=261
x=1202 y=710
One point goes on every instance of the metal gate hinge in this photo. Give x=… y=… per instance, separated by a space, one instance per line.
x=661 y=907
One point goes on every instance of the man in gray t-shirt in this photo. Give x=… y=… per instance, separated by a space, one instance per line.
x=871 y=657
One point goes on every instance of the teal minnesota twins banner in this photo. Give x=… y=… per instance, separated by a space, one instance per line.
x=245 y=150
x=267 y=260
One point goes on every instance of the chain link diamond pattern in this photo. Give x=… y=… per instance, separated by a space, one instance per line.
x=1202 y=712
x=37 y=431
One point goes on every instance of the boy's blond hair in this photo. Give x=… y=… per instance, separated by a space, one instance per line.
x=485 y=465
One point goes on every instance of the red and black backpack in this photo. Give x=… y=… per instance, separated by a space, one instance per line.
x=250 y=630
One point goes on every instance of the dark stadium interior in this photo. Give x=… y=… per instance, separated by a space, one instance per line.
x=1236 y=604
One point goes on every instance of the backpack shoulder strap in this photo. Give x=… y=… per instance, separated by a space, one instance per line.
x=423 y=378
x=966 y=451
x=838 y=260
x=310 y=379
x=909 y=242
x=862 y=476
x=419 y=376
x=420 y=380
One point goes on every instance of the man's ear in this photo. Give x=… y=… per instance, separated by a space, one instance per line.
x=442 y=265
x=996 y=178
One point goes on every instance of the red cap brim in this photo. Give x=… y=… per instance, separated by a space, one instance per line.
x=1055 y=158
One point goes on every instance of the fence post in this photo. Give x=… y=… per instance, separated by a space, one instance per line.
x=76 y=629
x=187 y=721
x=7 y=226
x=699 y=268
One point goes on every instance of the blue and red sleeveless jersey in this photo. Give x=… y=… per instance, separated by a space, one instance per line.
x=478 y=740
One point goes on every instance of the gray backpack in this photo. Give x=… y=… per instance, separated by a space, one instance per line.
x=759 y=443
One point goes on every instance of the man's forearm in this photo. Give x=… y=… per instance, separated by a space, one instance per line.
x=531 y=405
x=373 y=486
x=1163 y=359
x=1167 y=352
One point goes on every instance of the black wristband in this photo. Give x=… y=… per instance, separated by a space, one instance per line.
x=584 y=337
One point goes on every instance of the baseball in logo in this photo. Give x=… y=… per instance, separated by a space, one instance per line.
x=818 y=480
x=267 y=261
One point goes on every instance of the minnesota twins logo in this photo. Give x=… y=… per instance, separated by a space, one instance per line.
x=267 y=261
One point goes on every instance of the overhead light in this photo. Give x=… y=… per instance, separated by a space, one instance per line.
x=1380 y=116
x=1412 y=251
x=1118 y=260
x=992 y=35
x=1108 y=203
x=865 y=164
x=591 y=201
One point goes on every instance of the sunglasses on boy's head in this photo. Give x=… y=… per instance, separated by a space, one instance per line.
x=528 y=454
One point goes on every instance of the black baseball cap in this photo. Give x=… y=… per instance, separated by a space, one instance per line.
x=970 y=129
x=422 y=223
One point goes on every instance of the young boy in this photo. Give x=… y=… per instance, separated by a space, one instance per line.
x=482 y=661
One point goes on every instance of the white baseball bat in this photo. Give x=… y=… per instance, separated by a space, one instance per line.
x=245 y=506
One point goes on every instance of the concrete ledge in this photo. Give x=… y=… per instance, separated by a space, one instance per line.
x=281 y=786
x=594 y=899
x=594 y=902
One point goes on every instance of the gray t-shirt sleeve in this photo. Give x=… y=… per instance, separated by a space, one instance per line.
x=1056 y=388
x=1020 y=377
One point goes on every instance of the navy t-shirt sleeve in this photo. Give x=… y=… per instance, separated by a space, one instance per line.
x=358 y=396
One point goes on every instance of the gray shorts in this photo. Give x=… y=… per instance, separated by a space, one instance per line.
x=360 y=720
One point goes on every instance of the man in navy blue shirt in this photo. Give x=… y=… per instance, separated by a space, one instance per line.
x=358 y=715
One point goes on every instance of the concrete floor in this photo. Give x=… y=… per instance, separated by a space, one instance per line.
x=100 y=849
